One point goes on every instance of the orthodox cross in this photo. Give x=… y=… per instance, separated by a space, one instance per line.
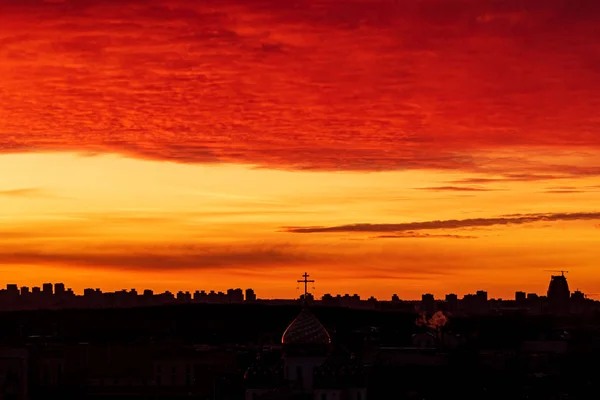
x=306 y=281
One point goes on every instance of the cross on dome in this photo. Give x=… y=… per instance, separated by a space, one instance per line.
x=306 y=329
x=306 y=281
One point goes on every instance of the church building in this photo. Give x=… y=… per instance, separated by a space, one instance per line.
x=310 y=367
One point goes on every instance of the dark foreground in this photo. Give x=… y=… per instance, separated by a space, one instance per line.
x=202 y=351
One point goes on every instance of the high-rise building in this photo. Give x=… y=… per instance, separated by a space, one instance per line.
x=235 y=295
x=59 y=289
x=427 y=303
x=47 y=289
x=12 y=288
x=578 y=295
x=12 y=293
x=250 y=295
x=451 y=302
x=559 y=294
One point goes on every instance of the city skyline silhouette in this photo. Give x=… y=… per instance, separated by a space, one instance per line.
x=297 y=292
x=299 y=200
x=559 y=299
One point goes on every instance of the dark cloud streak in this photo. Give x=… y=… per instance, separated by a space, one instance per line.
x=416 y=235
x=516 y=219
x=165 y=257
x=456 y=189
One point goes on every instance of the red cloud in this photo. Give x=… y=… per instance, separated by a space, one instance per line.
x=363 y=85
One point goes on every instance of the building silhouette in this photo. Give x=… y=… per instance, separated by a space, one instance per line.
x=428 y=303
x=452 y=302
x=250 y=295
x=310 y=367
x=559 y=295
x=559 y=300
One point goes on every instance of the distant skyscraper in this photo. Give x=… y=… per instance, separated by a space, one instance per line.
x=520 y=297
x=59 y=289
x=559 y=294
x=47 y=289
x=12 y=293
x=451 y=302
x=427 y=303
x=250 y=295
x=235 y=295
x=238 y=295
x=578 y=295
x=482 y=295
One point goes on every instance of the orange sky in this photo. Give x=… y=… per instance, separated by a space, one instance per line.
x=384 y=146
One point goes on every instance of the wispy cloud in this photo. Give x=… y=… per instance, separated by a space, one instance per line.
x=23 y=192
x=164 y=257
x=571 y=189
x=564 y=191
x=417 y=235
x=510 y=178
x=242 y=256
x=516 y=219
x=456 y=189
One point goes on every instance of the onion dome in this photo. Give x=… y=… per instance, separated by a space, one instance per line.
x=306 y=330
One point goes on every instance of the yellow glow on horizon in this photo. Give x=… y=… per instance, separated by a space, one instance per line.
x=92 y=216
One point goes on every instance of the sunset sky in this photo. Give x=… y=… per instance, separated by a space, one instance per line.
x=384 y=146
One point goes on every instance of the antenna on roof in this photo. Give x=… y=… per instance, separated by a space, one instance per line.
x=562 y=272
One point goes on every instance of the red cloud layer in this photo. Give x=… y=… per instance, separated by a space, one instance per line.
x=376 y=84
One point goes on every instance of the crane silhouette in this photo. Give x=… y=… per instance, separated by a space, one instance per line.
x=562 y=271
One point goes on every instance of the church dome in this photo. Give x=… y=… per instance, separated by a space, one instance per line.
x=306 y=330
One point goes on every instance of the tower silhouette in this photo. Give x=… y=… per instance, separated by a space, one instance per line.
x=559 y=295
